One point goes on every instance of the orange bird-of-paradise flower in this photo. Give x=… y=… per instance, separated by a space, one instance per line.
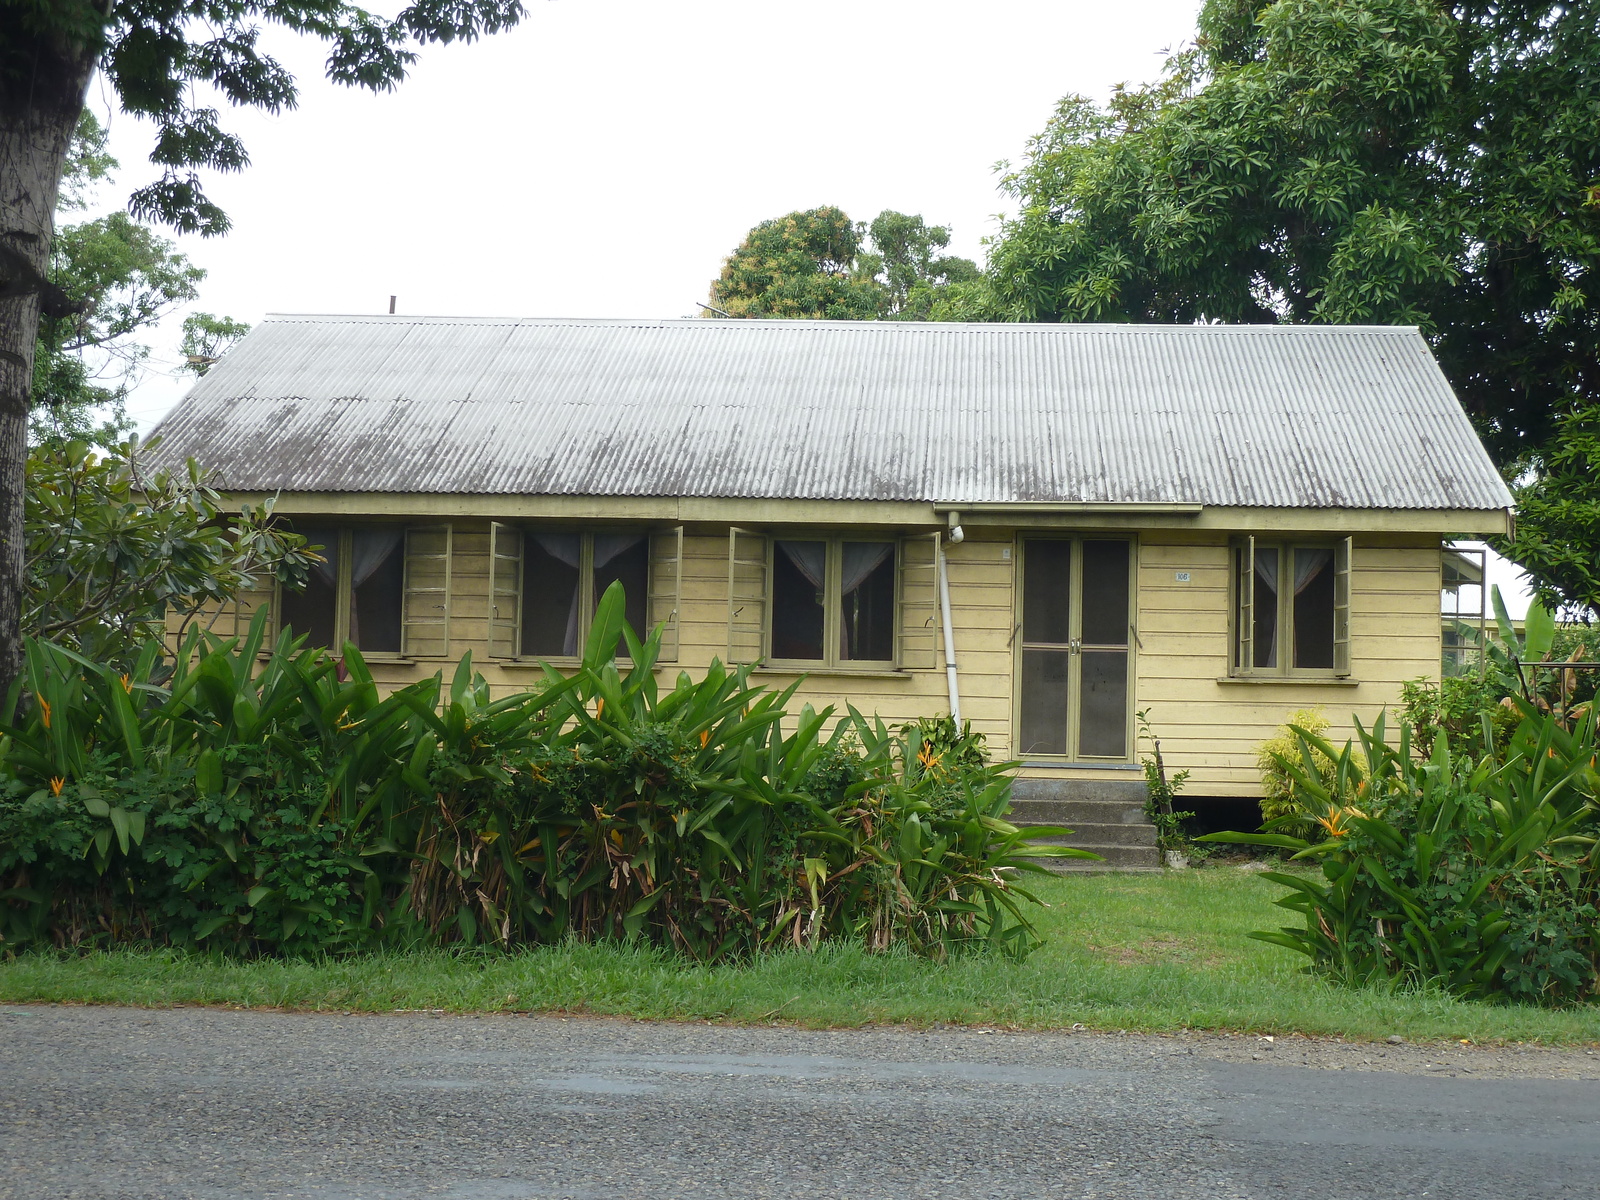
x=927 y=757
x=1337 y=821
x=44 y=707
x=126 y=685
x=705 y=736
x=599 y=707
x=56 y=784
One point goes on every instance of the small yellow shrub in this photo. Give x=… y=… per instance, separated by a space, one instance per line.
x=1277 y=789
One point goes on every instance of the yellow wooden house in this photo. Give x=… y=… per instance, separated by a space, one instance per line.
x=1042 y=528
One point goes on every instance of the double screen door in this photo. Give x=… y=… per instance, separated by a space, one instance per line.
x=1075 y=658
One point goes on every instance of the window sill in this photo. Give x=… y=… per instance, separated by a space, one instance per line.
x=850 y=672
x=561 y=664
x=1092 y=764
x=368 y=656
x=1291 y=680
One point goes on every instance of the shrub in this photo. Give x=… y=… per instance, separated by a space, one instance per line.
x=1280 y=800
x=1478 y=872
x=1455 y=708
x=281 y=805
x=113 y=551
x=1161 y=794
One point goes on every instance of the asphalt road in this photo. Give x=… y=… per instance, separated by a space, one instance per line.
x=201 y=1103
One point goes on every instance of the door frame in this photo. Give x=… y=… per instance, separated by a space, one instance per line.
x=1075 y=626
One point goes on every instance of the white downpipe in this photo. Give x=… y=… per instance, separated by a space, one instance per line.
x=949 y=634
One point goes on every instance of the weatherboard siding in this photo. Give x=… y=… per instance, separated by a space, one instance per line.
x=1208 y=726
x=1214 y=728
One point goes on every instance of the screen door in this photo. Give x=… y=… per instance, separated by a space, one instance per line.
x=1074 y=660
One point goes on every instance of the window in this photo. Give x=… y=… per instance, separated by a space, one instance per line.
x=833 y=601
x=548 y=582
x=384 y=588
x=866 y=601
x=1291 y=608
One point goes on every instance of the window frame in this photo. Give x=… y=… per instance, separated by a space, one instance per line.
x=1241 y=557
x=343 y=592
x=587 y=599
x=833 y=576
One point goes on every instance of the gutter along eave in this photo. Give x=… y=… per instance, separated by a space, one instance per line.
x=901 y=514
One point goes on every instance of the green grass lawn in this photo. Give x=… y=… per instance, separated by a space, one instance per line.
x=1135 y=952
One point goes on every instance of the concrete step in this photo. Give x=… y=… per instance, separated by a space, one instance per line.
x=1113 y=857
x=1106 y=816
x=1102 y=835
x=1131 y=792
x=1077 y=812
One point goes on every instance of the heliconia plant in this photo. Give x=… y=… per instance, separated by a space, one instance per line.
x=272 y=800
x=1476 y=873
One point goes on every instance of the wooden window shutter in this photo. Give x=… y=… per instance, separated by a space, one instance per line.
x=747 y=595
x=919 y=602
x=1244 y=607
x=505 y=591
x=1343 y=552
x=425 y=613
x=666 y=586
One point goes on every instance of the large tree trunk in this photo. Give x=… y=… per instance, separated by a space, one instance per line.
x=38 y=113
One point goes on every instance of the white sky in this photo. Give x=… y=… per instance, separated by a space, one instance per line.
x=602 y=159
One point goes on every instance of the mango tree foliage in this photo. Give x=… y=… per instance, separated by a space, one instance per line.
x=821 y=264
x=799 y=265
x=1557 y=538
x=1348 y=161
x=115 y=552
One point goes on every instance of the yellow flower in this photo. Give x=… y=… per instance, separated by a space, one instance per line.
x=126 y=686
x=56 y=784
x=705 y=736
x=616 y=836
x=44 y=707
x=599 y=707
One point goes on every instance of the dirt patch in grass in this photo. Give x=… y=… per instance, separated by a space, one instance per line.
x=1154 y=951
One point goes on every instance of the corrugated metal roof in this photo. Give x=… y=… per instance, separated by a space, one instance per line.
x=1257 y=415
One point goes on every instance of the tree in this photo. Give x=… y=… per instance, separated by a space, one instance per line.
x=1366 y=161
x=206 y=338
x=121 y=279
x=799 y=265
x=163 y=58
x=113 y=551
x=1557 y=537
x=916 y=279
x=820 y=264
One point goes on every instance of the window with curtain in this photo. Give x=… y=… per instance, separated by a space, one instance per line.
x=833 y=601
x=564 y=575
x=1288 y=607
x=356 y=594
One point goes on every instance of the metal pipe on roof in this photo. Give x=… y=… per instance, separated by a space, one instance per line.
x=949 y=636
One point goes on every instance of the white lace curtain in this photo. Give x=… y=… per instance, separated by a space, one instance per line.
x=1307 y=564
